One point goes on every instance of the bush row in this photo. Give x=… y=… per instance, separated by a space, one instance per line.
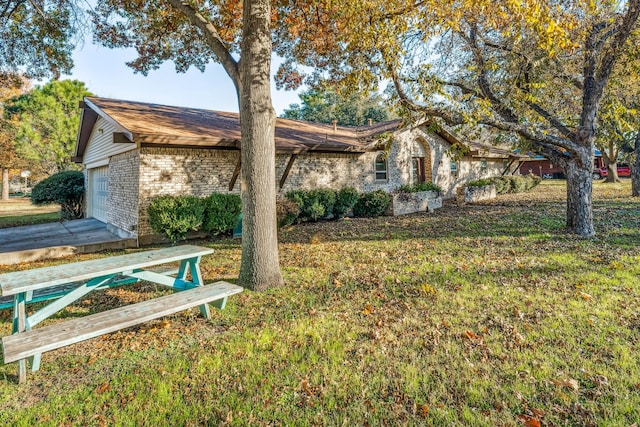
x=508 y=184
x=175 y=216
x=423 y=186
x=324 y=203
x=515 y=183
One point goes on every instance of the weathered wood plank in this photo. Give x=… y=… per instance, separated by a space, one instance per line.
x=23 y=281
x=50 y=337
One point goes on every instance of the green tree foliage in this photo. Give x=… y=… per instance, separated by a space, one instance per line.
x=47 y=120
x=37 y=38
x=325 y=106
x=65 y=188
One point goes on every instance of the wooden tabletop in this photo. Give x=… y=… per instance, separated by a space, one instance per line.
x=38 y=278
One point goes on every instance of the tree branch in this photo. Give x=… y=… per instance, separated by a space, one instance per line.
x=212 y=37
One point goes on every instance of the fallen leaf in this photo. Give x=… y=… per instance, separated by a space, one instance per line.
x=569 y=383
x=529 y=421
x=423 y=410
x=102 y=388
x=367 y=310
x=585 y=296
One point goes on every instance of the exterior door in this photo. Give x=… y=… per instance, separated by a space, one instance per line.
x=98 y=193
x=418 y=170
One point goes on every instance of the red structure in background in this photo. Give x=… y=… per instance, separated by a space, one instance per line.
x=545 y=168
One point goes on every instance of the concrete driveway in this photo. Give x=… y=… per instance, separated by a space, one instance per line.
x=57 y=239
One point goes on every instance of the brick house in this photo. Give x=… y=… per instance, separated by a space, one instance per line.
x=132 y=152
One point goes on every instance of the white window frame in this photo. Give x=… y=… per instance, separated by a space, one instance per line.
x=381 y=159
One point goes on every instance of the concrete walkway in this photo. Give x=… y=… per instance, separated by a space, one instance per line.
x=57 y=239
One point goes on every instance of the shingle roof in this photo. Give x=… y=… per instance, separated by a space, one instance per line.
x=154 y=124
x=161 y=125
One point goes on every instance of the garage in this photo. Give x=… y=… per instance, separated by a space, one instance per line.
x=98 y=187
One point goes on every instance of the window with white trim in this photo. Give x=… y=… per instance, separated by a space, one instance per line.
x=381 y=167
x=454 y=168
x=483 y=165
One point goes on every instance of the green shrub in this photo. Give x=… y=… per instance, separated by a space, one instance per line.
x=65 y=188
x=174 y=216
x=327 y=198
x=372 y=204
x=479 y=183
x=287 y=212
x=313 y=204
x=221 y=213
x=415 y=188
x=515 y=183
x=503 y=184
x=346 y=198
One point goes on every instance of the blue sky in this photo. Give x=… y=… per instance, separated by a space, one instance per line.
x=105 y=74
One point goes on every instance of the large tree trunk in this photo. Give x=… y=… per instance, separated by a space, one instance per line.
x=5 y=184
x=635 y=168
x=259 y=267
x=579 y=186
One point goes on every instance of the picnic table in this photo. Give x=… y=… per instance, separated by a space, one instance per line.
x=62 y=285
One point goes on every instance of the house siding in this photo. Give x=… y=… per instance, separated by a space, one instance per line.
x=101 y=146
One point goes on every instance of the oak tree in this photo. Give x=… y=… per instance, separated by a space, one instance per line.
x=239 y=37
x=37 y=38
x=537 y=70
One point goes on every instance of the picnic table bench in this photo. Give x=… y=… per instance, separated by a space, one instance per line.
x=62 y=285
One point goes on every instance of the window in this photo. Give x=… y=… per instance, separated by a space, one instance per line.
x=418 y=170
x=381 y=169
x=483 y=165
x=454 y=168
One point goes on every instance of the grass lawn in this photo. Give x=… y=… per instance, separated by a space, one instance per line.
x=20 y=211
x=486 y=315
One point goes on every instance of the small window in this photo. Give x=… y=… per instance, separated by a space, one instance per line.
x=454 y=168
x=483 y=165
x=381 y=168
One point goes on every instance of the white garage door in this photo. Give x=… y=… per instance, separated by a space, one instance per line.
x=98 y=193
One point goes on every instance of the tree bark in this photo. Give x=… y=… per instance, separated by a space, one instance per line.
x=635 y=168
x=5 y=184
x=259 y=268
x=579 y=186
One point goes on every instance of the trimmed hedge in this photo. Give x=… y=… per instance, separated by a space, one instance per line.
x=514 y=183
x=65 y=188
x=175 y=216
x=221 y=213
x=314 y=204
x=372 y=204
x=287 y=212
x=346 y=199
x=416 y=188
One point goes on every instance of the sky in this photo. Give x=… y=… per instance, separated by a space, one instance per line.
x=105 y=74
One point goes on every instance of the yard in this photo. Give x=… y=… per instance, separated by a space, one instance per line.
x=476 y=315
x=20 y=211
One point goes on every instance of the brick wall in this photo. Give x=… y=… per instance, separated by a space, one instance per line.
x=181 y=171
x=123 y=191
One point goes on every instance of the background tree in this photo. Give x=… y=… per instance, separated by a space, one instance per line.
x=37 y=38
x=325 y=106
x=238 y=36
x=46 y=124
x=534 y=69
x=9 y=158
